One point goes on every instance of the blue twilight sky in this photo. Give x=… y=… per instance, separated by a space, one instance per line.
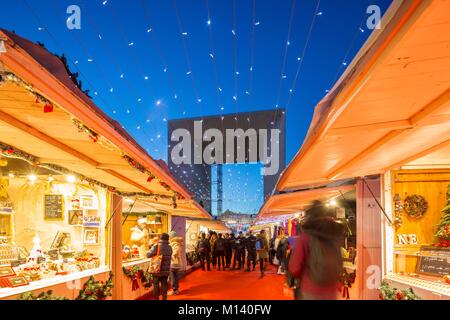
x=145 y=62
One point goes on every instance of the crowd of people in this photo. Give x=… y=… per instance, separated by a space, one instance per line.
x=313 y=265
x=230 y=252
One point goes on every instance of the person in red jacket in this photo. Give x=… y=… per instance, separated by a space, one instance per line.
x=316 y=257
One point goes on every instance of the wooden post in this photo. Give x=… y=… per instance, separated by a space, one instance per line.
x=368 y=239
x=116 y=252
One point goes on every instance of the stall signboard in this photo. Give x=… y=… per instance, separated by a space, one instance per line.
x=434 y=261
x=53 y=207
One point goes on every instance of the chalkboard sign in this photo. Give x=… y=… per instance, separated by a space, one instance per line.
x=53 y=206
x=434 y=261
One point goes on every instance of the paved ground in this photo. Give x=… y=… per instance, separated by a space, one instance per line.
x=232 y=285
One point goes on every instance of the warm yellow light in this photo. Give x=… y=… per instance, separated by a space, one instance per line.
x=71 y=179
x=327 y=204
x=51 y=178
x=11 y=175
x=32 y=177
x=129 y=200
x=333 y=202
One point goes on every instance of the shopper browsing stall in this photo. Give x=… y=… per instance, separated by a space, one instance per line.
x=262 y=248
x=176 y=263
x=251 y=250
x=165 y=250
x=203 y=250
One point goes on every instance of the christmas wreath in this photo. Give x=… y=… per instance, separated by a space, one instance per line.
x=388 y=293
x=415 y=206
x=136 y=273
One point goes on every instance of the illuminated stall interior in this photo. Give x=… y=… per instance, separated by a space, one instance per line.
x=142 y=225
x=51 y=224
x=195 y=227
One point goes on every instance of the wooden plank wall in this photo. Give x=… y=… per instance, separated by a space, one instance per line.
x=432 y=185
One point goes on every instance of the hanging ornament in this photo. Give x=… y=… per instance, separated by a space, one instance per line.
x=150 y=179
x=94 y=138
x=48 y=108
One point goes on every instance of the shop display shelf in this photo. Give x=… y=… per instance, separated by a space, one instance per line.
x=423 y=283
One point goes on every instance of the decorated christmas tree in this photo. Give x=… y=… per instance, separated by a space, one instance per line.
x=443 y=228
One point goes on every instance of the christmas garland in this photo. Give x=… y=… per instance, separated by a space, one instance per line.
x=83 y=128
x=192 y=257
x=46 y=295
x=96 y=290
x=136 y=273
x=92 y=290
x=415 y=205
x=386 y=293
x=11 y=152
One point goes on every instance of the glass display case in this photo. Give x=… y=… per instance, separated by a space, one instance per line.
x=51 y=226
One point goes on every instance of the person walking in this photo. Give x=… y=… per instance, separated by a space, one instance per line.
x=250 y=243
x=212 y=240
x=282 y=249
x=234 y=246
x=262 y=248
x=176 y=263
x=165 y=250
x=228 y=250
x=316 y=258
x=204 y=250
x=242 y=249
x=219 y=252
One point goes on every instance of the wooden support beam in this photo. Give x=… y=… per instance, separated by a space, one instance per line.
x=337 y=171
x=127 y=180
x=420 y=117
x=18 y=124
x=419 y=155
x=432 y=107
x=387 y=126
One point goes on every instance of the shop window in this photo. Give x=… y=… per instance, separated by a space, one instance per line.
x=139 y=231
x=421 y=207
x=49 y=227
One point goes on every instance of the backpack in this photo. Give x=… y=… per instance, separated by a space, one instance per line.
x=325 y=261
x=202 y=247
x=219 y=245
x=259 y=245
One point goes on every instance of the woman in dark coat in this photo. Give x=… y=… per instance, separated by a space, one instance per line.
x=161 y=278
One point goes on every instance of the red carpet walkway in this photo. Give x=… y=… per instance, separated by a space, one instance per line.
x=232 y=285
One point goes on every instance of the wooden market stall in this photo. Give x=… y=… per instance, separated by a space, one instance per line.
x=390 y=110
x=65 y=168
